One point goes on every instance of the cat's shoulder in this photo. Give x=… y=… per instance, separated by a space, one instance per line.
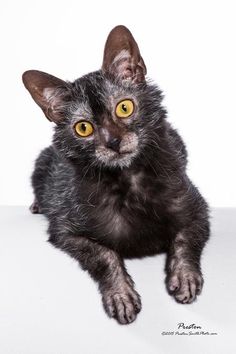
x=176 y=142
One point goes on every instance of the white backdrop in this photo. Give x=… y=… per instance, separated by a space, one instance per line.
x=188 y=47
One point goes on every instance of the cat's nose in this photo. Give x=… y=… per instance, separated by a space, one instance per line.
x=114 y=144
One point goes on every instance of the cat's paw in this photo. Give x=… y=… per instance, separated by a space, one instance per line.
x=122 y=303
x=184 y=285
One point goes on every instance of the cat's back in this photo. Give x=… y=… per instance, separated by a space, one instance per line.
x=43 y=166
x=50 y=177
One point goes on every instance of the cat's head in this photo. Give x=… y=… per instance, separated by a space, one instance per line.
x=107 y=117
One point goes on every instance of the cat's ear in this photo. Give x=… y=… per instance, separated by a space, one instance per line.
x=48 y=92
x=122 y=57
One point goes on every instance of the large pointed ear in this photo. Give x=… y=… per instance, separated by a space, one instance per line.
x=48 y=92
x=122 y=58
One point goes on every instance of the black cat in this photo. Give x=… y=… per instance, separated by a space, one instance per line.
x=113 y=185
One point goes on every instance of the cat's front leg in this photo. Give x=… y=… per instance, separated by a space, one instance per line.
x=184 y=278
x=119 y=298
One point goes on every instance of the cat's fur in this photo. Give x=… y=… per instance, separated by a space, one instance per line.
x=105 y=203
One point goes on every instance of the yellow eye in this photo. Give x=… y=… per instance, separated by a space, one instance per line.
x=124 y=109
x=84 y=128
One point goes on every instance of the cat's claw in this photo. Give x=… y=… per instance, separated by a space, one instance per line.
x=184 y=285
x=122 y=304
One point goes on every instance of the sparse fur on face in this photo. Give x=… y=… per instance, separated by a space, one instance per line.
x=113 y=185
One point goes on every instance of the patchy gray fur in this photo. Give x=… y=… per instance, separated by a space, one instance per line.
x=123 y=191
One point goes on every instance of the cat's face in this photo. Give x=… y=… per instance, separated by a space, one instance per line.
x=106 y=121
x=106 y=117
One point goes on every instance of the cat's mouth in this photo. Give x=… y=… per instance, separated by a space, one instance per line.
x=112 y=158
x=122 y=156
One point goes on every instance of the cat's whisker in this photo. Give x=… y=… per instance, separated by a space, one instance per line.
x=155 y=145
x=159 y=164
x=99 y=178
x=143 y=154
x=88 y=168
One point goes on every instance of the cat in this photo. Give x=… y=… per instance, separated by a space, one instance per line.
x=113 y=184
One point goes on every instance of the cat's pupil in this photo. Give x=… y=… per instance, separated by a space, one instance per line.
x=124 y=108
x=83 y=127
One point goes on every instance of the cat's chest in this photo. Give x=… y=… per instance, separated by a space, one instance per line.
x=120 y=193
x=121 y=203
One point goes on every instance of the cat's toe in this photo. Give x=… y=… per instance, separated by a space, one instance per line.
x=123 y=305
x=185 y=285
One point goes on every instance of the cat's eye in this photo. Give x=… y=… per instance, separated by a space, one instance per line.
x=124 y=109
x=84 y=128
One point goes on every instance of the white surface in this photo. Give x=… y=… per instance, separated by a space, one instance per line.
x=48 y=305
x=189 y=49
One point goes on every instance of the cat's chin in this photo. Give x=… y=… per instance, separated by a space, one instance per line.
x=123 y=160
x=113 y=159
